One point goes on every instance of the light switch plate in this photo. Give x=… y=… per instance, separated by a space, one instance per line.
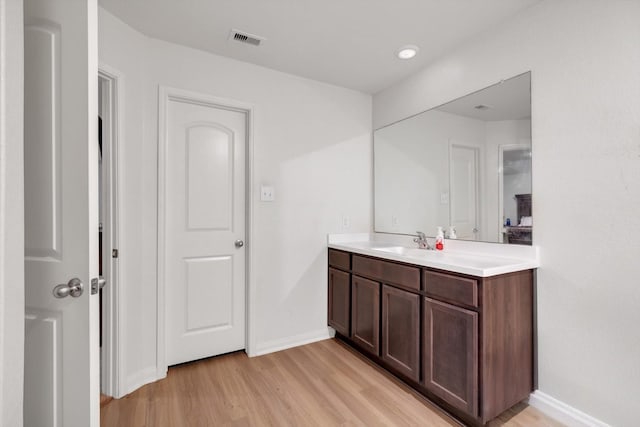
x=267 y=193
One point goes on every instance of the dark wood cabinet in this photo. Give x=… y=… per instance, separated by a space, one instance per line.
x=457 y=290
x=339 y=309
x=340 y=259
x=401 y=331
x=517 y=234
x=365 y=314
x=450 y=354
x=465 y=342
x=400 y=275
x=507 y=341
x=523 y=205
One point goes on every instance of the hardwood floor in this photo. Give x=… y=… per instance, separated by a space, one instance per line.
x=320 y=384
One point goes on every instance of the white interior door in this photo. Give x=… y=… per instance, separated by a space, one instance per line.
x=61 y=217
x=205 y=228
x=463 y=182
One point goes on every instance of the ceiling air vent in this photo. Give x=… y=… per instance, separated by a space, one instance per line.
x=244 y=37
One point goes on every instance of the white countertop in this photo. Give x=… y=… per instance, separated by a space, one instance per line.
x=472 y=258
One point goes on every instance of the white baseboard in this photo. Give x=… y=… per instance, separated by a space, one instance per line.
x=562 y=412
x=139 y=379
x=289 y=342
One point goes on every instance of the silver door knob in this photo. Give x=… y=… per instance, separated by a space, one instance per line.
x=239 y=243
x=74 y=288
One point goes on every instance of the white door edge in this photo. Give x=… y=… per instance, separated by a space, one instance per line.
x=112 y=364
x=12 y=289
x=166 y=94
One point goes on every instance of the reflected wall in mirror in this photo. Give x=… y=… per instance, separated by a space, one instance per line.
x=465 y=164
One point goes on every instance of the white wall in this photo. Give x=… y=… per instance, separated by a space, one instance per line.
x=585 y=62
x=11 y=214
x=312 y=142
x=120 y=48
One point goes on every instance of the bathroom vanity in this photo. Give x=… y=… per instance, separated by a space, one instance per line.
x=457 y=326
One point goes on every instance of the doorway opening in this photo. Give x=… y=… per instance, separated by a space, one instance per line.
x=204 y=130
x=110 y=378
x=514 y=184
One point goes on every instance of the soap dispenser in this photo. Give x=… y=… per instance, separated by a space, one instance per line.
x=440 y=239
x=452 y=232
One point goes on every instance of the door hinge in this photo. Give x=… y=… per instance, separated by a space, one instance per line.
x=114 y=253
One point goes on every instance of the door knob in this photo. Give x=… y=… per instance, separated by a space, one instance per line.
x=74 y=288
x=97 y=283
x=239 y=243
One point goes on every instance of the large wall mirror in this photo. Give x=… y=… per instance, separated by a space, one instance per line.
x=465 y=164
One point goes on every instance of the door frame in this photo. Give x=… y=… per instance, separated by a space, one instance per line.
x=501 y=149
x=166 y=94
x=112 y=355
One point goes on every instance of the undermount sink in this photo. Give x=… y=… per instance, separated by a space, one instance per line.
x=402 y=250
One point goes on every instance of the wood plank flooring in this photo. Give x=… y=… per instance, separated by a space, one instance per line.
x=320 y=384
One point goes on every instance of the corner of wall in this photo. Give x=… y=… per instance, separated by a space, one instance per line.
x=140 y=378
x=290 y=342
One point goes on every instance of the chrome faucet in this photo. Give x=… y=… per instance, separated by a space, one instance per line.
x=422 y=242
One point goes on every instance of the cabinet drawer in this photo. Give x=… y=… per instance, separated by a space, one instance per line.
x=450 y=288
x=387 y=272
x=339 y=259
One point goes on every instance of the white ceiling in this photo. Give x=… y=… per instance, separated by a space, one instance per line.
x=349 y=43
x=507 y=100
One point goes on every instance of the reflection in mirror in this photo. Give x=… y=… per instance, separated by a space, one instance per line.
x=464 y=165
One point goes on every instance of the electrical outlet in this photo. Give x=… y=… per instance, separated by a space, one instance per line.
x=346 y=222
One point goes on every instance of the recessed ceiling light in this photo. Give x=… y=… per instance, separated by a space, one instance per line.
x=408 y=52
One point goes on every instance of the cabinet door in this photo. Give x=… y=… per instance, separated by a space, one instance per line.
x=401 y=331
x=365 y=314
x=339 y=301
x=450 y=354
